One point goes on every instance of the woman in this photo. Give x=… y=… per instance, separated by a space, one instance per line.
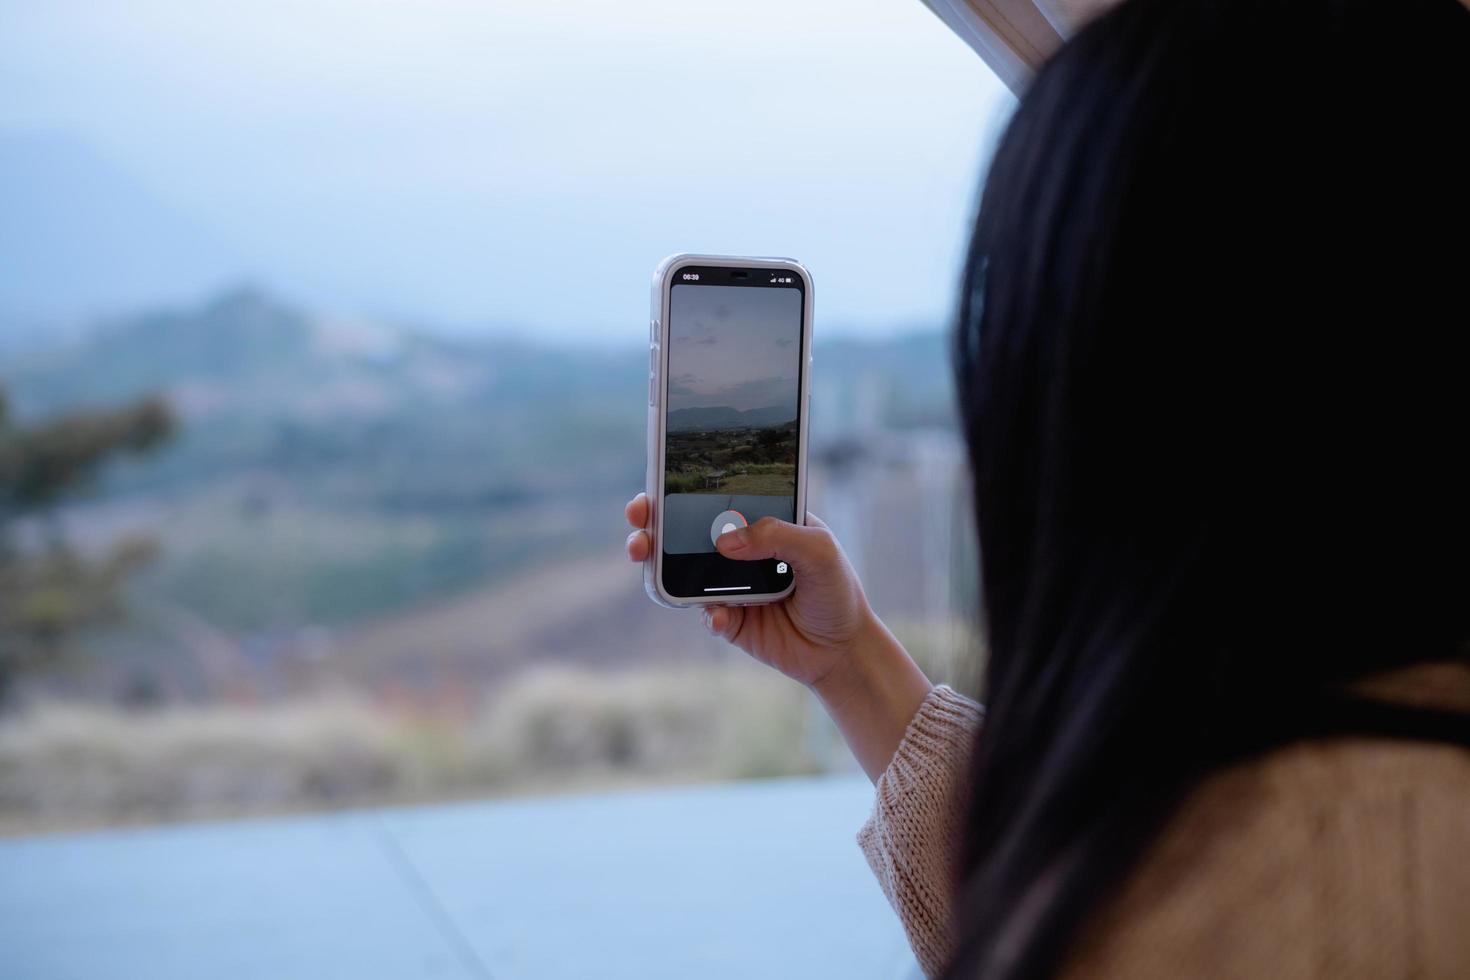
x=1212 y=377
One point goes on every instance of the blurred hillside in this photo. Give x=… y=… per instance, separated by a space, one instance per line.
x=389 y=566
x=431 y=423
x=330 y=473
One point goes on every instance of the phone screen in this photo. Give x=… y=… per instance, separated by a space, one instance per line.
x=732 y=397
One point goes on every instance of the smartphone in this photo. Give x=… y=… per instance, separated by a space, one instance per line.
x=729 y=387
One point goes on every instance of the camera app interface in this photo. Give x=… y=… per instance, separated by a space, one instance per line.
x=733 y=388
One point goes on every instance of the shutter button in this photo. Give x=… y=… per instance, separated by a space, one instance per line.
x=726 y=520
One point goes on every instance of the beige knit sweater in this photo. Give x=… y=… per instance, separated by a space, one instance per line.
x=1344 y=858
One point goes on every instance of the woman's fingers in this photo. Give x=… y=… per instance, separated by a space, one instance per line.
x=639 y=543
x=723 y=621
x=637 y=511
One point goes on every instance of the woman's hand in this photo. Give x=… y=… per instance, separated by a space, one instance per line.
x=824 y=634
x=804 y=636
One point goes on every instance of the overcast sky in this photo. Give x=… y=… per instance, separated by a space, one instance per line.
x=735 y=346
x=524 y=164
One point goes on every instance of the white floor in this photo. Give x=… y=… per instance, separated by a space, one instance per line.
x=757 y=879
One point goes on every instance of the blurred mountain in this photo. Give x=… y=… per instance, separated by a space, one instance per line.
x=81 y=236
x=319 y=402
x=725 y=417
x=350 y=411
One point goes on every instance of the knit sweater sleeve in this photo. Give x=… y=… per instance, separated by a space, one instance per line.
x=912 y=839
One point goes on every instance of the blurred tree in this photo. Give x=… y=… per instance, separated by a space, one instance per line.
x=47 y=589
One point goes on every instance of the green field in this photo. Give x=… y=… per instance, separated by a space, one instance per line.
x=748 y=459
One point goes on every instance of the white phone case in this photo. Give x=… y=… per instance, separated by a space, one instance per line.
x=658 y=363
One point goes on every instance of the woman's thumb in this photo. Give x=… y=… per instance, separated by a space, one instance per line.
x=808 y=549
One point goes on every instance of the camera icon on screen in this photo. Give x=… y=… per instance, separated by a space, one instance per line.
x=780 y=568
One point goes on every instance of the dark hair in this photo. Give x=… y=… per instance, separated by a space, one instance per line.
x=1212 y=375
